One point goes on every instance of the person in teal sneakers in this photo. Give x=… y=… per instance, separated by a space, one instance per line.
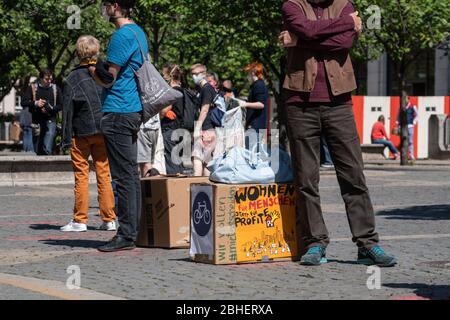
x=319 y=81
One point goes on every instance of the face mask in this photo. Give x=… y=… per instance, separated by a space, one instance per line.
x=197 y=78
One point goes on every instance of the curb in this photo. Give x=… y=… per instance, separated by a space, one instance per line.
x=34 y=170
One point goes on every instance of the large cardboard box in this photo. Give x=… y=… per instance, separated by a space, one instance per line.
x=232 y=224
x=165 y=211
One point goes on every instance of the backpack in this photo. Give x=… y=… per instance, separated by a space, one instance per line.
x=191 y=108
x=218 y=111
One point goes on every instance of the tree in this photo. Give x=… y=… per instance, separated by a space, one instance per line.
x=261 y=23
x=13 y=69
x=407 y=28
x=39 y=34
x=187 y=32
x=224 y=35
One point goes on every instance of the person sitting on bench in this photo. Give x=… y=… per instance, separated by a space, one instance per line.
x=379 y=136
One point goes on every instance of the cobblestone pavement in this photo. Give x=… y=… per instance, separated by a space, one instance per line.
x=413 y=218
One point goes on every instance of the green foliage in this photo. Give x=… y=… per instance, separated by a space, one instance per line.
x=407 y=27
x=188 y=32
x=224 y=35
x=34 y=36
x=8 y=117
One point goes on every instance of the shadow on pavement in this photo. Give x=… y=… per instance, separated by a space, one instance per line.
x=430 y=212
x=182 y=260
x=93 y=244
x=53 y=227
x=343 y=261
x=434 y=292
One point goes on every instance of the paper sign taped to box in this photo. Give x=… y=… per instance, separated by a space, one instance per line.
x=250 y=223
x=261 y=230
x=201 y=221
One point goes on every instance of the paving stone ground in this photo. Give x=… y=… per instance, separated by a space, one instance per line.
x=413 y=215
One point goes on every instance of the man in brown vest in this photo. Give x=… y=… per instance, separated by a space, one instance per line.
x=317 y=88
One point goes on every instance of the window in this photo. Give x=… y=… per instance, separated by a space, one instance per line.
x=18 y=107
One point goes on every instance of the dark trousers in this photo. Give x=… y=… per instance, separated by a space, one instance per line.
x=306 y=124
x=120 y=133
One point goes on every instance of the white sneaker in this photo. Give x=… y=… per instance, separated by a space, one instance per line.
x=108 y=226
x=73 y=226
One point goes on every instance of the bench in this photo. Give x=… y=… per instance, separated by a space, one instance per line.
x=373 y=152
x=10 y=146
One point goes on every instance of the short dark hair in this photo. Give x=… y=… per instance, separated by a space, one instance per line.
x=126 y=6
x=381 y=118
x=45 y=73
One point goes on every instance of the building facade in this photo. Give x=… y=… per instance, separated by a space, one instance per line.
x=429 y=75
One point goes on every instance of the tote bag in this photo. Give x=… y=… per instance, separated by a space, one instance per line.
x=156 y=94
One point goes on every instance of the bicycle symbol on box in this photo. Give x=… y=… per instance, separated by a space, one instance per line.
x=202 y=212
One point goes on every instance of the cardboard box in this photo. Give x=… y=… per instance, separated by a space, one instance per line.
x=232 y=224
x=165 y=211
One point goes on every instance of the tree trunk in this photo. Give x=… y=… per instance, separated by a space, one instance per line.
x=403 y=120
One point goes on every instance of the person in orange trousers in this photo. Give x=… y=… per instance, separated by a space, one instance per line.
x=81 y=132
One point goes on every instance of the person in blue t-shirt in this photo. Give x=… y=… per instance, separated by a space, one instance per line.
x=121 y=121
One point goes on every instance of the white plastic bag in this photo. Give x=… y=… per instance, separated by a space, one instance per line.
x=232 y=134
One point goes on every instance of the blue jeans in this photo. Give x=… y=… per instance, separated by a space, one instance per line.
x=28 y=139
x=388 y=144
x=325 y=157
x=411 y=141
x=46 y=138
x=120 y=132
